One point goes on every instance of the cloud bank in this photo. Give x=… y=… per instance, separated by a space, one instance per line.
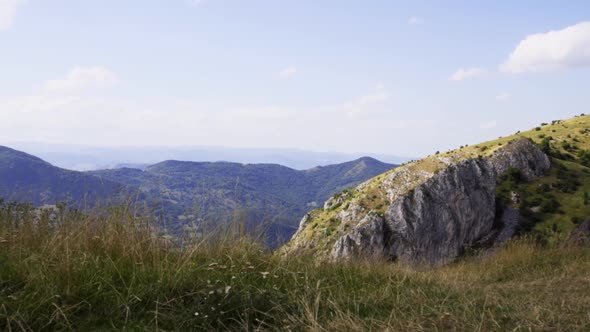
x=566 y=48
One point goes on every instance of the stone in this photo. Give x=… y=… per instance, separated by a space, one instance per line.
x=431 y=217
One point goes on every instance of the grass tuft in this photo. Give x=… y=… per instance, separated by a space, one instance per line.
x=113 y=271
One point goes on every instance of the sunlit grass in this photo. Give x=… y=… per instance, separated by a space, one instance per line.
x=114 y=272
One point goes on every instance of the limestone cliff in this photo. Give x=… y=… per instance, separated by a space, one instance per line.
x=425 y=212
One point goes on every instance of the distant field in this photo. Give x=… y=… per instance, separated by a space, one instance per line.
x=113 y=273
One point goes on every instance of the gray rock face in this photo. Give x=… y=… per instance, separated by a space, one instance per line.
x=432 y=223
x=368 y=239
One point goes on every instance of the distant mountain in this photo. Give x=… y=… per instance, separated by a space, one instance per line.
x=189 y=192
x=26 y=178
x=87 y=158
x=268 y=193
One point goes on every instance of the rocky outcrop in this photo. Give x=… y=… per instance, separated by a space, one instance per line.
x=428 y=218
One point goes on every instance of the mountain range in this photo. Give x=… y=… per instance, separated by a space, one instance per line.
x=87 y=158
x=26 y=178
x=189 y=193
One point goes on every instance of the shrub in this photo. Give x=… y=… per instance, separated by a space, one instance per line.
x=550 y=205
x=543 y=188
x=584 y=156
x=545 y=145
x=513 y=174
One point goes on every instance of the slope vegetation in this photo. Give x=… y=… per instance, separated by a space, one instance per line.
x=268 y=193
x=435 y=209
x=110 y=273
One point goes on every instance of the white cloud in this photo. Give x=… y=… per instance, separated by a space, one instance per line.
x=503 y=96
x=552 y=50
x=371 y=103
x=104 y=119
x=8 y=12
x=465 y=73
x=488 y=125
x=81 y=78
x=288 y=72
x=414 y=20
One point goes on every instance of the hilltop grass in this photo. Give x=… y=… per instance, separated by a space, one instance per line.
x=114 y=272
x=567 y=142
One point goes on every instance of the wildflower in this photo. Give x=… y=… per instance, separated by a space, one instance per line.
x=196 y=313
x=264 y=274
x=233 y=277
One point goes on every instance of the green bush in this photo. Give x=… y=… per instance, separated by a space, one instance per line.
x=550 y=205
x=584 y=156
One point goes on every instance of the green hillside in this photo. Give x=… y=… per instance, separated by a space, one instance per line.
x=26 y=178
x=264 y=193
x=550 y=206
x=188 y=196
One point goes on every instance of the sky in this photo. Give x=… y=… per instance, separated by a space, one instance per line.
x=391 y=77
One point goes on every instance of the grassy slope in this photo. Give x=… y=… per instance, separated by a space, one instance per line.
x=111 y=273
x=374 y=196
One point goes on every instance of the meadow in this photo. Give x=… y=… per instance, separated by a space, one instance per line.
x=63 y=270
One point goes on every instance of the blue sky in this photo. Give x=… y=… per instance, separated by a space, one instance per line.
x=401 y=78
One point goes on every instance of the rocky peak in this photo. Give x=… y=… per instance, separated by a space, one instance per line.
x=425 y=212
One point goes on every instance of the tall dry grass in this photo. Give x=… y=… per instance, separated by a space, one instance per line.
x=116 y=271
